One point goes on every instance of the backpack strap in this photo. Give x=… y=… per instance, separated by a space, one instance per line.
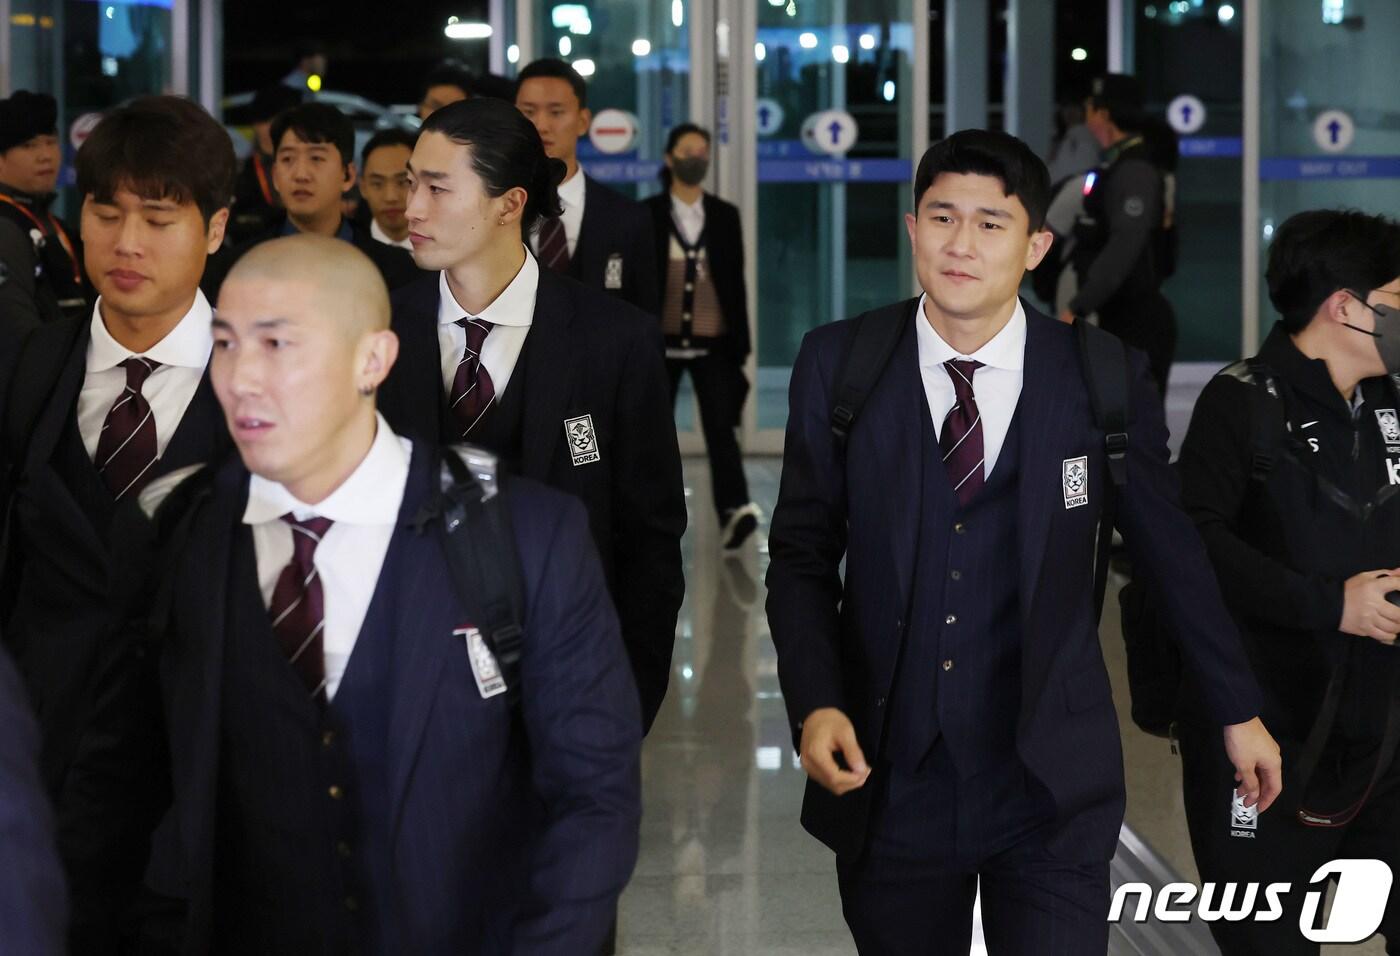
x=874 y=338
x=482 y=555
x=1104 y=359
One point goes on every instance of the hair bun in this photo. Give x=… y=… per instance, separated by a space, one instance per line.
x=555 y=170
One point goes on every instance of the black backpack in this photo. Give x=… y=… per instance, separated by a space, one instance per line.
x=1106 y=372
x=479 y=545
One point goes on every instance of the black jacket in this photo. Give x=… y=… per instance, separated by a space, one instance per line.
x=616 y=229
x=63 y=604
x=39 y=281
x=723 y=239
x=1284 y=546
x=586 y=354
x=394 y=264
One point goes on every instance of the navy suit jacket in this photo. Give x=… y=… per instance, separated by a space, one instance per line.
x=466 y=775
x=839 y=641
x=586 y=354
x=33 y=904
x=615 y=227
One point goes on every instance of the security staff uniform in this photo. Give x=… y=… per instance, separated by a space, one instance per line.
x=1287 y=519
x=41 y=277
x=1116 y=255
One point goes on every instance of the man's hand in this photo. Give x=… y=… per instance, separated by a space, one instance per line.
x=1365 y=611
x=1067 y=317
x=825 y=733
x=1258 y=766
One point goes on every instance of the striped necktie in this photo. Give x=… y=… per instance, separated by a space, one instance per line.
x=126 y=450
x=472 y=388
x=961 y=438
x=298 y=605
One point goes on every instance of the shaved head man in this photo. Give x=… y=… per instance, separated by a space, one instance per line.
x=301 y=343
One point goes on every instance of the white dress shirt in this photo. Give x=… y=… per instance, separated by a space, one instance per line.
x=379 y=234
x=365 y=510
x=512 y=313
x=571 y=196
x=996 y=386
x=690 y=219
x=183 y=355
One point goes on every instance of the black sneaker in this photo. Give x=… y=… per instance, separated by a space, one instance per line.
x=739 y=525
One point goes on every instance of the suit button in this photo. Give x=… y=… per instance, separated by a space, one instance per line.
x=899 y=624
x=690 y=287
x=335 y=792
x=959 y=528
x=951 y=619
x=343 y=849
x=328 y=738
x=352 y=904
x=879 y=702
x=957 y=575
x=947 y=665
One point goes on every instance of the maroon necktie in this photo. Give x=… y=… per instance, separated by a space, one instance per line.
x=126 y=451
x=554 y=245
x=298 y=605
x=472 y=388
x=961 y=439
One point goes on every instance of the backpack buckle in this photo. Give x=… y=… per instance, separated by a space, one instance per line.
x=841 y=419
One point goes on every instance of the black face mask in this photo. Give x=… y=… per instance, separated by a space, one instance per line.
x=691 y=170
x=1387 y=334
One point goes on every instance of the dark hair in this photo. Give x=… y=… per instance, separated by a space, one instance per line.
x=554 y=69
x=490 y=84
x=1121 y=95
x=983 y=152
x=316 y=123
x=506 y=152
x=450 y=73
x=271 y=100
x=1322 y=251
x=674 y=137
x=1163 y=144
x=160 y=147
x=388 y=137
x=308 y=47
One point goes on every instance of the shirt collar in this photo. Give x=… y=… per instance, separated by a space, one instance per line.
x=187 y=345
x=365 y=498
x=571 y=191
x=696 y=208
x=1006 y=350
x=346 y=232
x=379 y=234
x=515 y=306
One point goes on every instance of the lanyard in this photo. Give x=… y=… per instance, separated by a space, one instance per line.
x=63 y=239
x=262 y=179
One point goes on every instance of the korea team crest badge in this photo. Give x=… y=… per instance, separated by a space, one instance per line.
x=1075 y=474
x=1390 y=425
x=489 y=680
x=583 y=441
x=612 y=274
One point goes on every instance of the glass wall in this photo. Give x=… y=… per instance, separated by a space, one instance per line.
x=1329 y=122
x=831 y=238
x=1197 y=50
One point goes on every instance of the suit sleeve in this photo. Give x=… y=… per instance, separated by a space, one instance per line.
x=806 y=543
x=1164 y=543
x=646 y=286
x=33 y=905
x=1216 y=476
x=585 y=744
x=649 y=519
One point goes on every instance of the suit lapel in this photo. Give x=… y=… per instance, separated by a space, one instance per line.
x=585 y=228
x=418 y=392
x=1041 y=428
x=891 y=418
x=201 y=436
x=423 y=630
x=551 y=370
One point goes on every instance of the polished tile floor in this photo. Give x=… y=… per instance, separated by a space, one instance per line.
x=725 y=867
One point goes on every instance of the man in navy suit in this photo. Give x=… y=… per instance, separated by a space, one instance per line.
x=603 y=239
x=348 y=772
x=33 y=905
x=949 y=697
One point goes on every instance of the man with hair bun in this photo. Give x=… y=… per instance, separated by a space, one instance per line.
x=100 y=406
x=568 y=385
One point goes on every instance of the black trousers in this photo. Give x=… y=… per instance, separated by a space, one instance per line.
x=934 y=836
x=720 y=390
x=1281 y=849
x=1147 y=323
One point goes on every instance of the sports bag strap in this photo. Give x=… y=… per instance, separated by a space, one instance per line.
x=1105 y=363
x=875 y=337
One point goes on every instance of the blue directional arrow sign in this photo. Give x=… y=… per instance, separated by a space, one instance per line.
x=769 y=114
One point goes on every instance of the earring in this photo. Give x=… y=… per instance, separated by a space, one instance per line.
x=500 y=222
x=366 y=390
